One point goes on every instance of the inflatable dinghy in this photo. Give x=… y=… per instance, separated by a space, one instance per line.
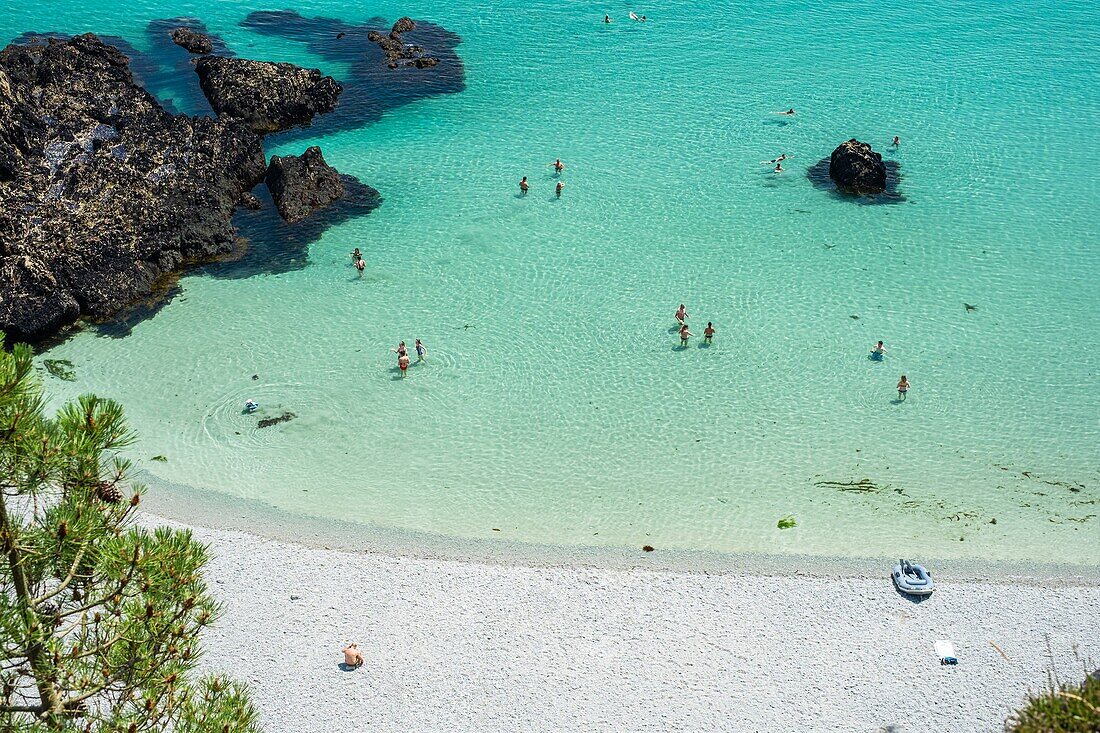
x=912 y=579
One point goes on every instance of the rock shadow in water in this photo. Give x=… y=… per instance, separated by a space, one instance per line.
x=274 y=246
x=819 y=176
x=370 y=86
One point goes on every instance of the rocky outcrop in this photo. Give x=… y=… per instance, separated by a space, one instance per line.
x=399 y=53
x=192 y=41
x=269 y=97
x=857 y=169
x=302 y=184
x=105 y=192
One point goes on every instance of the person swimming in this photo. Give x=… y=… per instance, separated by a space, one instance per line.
x=421 y=352
x=523 y=186
x=780 y=159
x=682 y=314
x=897 y=141
x=903 y=387
x=878 y=351
x=788 y=113
x=778 y=168
x=633 y=15
x=684 y=333
x=708 y=332
x=642 y=19
x=558 y=188
x=607 y=19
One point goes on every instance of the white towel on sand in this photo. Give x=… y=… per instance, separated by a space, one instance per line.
x=945 y=650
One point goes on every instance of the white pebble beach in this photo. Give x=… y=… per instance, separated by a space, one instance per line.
x=456 y=645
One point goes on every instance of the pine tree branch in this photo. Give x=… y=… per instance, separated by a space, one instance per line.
x=68 y=578
x=36 y=657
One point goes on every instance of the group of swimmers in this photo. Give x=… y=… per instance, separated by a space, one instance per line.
x=633 y=16
x=558 y=167
x=403 y=356
x=779 y=161
x=681 y=319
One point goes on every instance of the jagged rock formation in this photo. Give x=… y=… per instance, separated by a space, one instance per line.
x=192 y=41
x=302 y=184
x=855 y=168
x=398 y=53
x=269 y=97
x=103 y=191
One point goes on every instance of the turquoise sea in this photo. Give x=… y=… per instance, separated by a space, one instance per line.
x=556 y=405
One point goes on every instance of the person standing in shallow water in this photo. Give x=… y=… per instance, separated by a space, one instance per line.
x=558 y=166
x=684 y=334
x=360 y=266
x=903 y=387
x=403 y=364
x=708 y=332
x=523 y=186
x=421 y=352
x=878 y=351
x=558 y=188
x=897 y=141
x=682 y=315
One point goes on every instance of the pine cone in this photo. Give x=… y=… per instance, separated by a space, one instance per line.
x=108 y=493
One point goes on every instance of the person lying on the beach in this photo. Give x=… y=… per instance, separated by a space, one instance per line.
x=352 y=656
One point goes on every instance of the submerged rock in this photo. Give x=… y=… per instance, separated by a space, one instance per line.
x=269 y=97
x=302 y=184
x=856 y=168
x=108 y=192
x=192 y=41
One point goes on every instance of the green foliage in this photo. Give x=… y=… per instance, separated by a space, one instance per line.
x=1061 y=708
x=99 y=618
x=786 y=522
x=60 y=368
x=159 y=459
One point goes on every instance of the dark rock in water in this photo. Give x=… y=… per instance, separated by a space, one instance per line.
x=403 y=25
x=269 y=421
x=75 y=126
x=300 y=185
x=270 y=97
x=192 y=41
x=855 y=168
x=398 y=53
x=891 y=194
x=427 y=54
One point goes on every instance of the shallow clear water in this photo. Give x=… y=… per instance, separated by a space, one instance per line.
x=555 y=405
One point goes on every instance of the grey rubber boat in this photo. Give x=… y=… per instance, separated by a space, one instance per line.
x=912 y=579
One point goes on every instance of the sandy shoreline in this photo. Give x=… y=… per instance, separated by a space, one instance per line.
x=465 y=645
